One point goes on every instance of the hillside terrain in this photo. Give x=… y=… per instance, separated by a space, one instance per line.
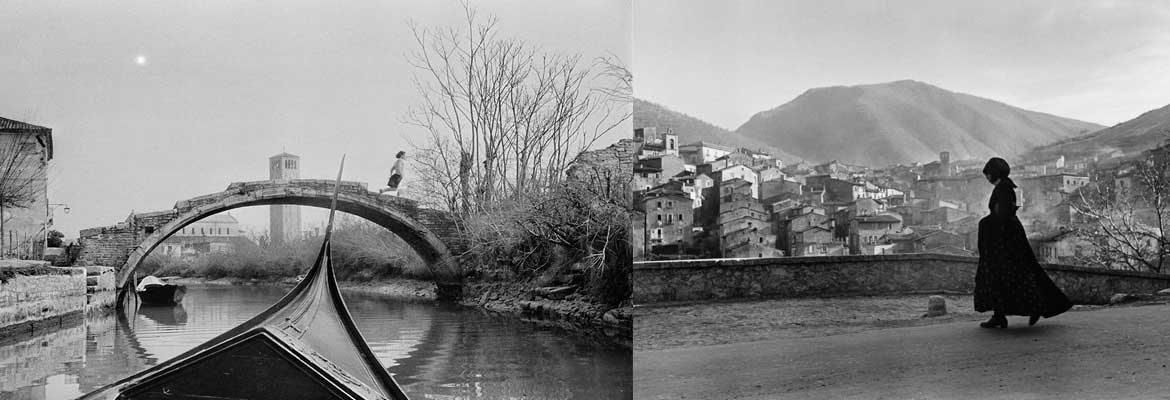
x=904 y=122
x=690 y=129
x=1126 y=139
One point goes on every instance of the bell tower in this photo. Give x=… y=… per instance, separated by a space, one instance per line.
x=284 y=224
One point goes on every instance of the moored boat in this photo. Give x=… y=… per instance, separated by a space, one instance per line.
x=305 y=346
x=153 y=291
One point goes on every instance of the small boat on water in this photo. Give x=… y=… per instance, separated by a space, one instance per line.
x=305 y=346
x=153 y=291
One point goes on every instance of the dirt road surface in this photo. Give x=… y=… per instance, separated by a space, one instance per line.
x=1107 y=353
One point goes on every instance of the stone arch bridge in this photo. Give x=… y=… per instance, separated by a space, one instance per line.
x=431 y=233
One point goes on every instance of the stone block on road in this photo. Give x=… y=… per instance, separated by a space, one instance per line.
x=936 y=306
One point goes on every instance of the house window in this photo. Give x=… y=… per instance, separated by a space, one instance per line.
x=670 y=218
x=659 y=204
x=659 y=217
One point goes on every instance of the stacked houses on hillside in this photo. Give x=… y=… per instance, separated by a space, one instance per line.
x=711 y=200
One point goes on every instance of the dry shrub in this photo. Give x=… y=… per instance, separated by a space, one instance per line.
x=562 y=226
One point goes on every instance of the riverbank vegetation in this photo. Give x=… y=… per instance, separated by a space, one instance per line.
x=361 y=251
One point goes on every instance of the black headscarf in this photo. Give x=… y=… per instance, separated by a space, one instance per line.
x=998 y=168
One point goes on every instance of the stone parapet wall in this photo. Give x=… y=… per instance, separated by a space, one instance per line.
x=691 y=280
x=107 y=246
x=33 y=293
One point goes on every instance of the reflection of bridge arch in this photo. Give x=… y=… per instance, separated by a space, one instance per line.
x=431 y=233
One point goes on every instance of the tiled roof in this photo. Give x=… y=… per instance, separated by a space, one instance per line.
x=804 y=229
x=879 y=218
x=11 y=126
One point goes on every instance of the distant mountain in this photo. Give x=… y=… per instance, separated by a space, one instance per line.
x=904 y=122
x=690 y=129
x=1126 y=139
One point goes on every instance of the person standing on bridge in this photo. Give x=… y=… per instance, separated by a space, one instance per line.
x=397 y=172
x=1009 y=280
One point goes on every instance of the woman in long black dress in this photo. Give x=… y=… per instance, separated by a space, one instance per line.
x=1009 y=280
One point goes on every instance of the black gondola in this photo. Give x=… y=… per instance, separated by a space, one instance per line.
x=305 y=346
x=153 y=291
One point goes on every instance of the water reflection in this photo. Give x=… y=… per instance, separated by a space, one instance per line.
x=434 y=351
x=25 y=362
x=173 y=316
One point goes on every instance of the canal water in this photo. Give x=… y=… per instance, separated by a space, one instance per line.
x=433 y=351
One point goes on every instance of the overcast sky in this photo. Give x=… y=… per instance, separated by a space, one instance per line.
x=153 y=102
x=1098 y=61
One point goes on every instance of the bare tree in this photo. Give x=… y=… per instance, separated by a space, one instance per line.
x=505 y=119
x=1130 y=215
x=20 y=168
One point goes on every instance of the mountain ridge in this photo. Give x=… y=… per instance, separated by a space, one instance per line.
x=903 y=122
x=1148 y=130
x=692 y=129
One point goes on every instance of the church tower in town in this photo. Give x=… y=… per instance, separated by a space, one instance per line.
x=284 y=220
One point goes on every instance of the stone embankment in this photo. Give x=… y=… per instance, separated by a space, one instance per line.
x=35 y=296
x=566 y=308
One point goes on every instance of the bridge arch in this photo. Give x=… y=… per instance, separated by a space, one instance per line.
x=431 y=233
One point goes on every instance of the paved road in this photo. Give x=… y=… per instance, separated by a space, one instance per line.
x=1110 y=353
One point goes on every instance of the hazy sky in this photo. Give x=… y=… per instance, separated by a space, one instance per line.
x=152 y=102
x=1097 y=61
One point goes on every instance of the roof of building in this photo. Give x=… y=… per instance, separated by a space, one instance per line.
x=654 y=146
x=223 y=217
x=668 y=189
x=915 y=235
x=44 y=135
x=804 y=229
x=736 y=182
x=13 y=126
x=1053 y=236
x=284 y=155
x=711 y=145
x=880 y=218
x=780 y=197
x=736 y=165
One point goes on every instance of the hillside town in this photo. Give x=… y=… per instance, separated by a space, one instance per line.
x=708 y=200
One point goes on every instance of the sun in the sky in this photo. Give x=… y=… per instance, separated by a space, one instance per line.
x=140 y=60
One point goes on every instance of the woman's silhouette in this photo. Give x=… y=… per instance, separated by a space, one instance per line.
x=1009 y=280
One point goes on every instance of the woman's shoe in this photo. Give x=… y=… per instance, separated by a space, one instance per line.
x=995 y=322
x=1032 y=320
